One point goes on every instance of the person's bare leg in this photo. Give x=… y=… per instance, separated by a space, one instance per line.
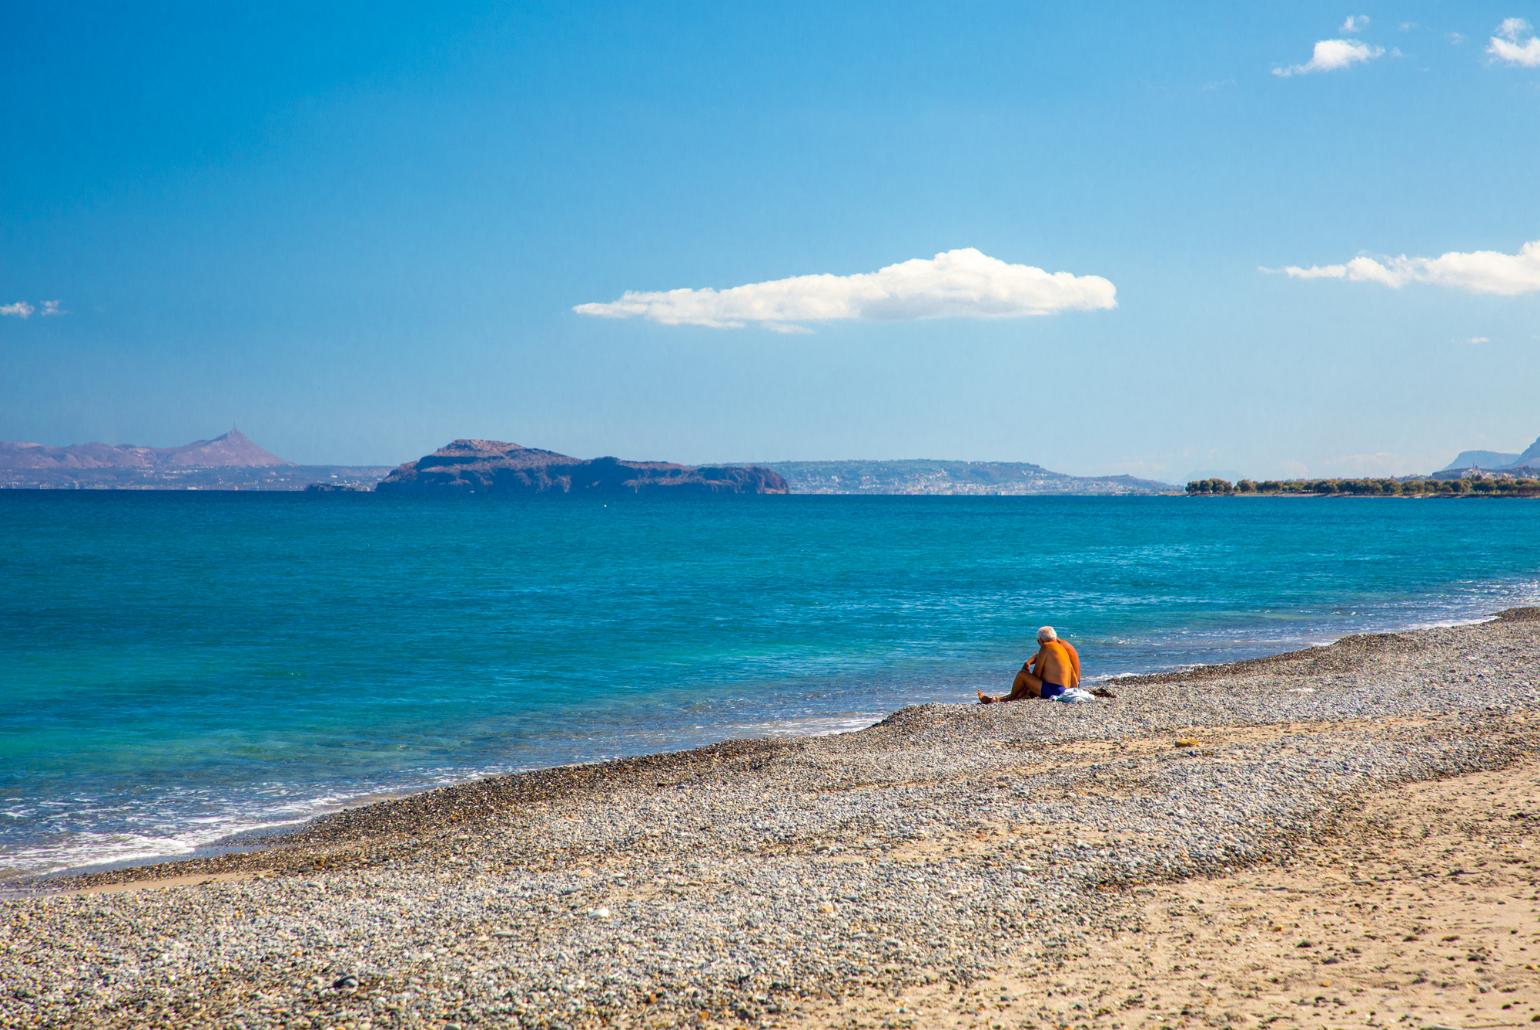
x=1025 y=685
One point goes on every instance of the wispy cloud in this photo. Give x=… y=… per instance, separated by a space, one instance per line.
x=1477 y=271
x=1510 y=47
x=1355 y=23
x=961 y=283
x=25 y=309
x=1371 y=463
x=1332 y=55
x=1477 y=341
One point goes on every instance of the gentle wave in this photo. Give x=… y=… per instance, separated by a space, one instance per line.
x=282 y=658
x=188 y=836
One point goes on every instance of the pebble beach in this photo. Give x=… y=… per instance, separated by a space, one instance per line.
x=810 y=881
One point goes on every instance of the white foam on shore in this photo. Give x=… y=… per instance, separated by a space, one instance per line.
x=810 y=726
x=86 y=850
x=1452 y=623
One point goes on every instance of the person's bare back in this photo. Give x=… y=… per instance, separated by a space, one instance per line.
x=1054 y=669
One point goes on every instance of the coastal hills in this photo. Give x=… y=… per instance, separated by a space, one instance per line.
x=947 y=478
x=496 y=467
x=227 y=462
x=233 y=461
x=231 y=450
x=1496 y=461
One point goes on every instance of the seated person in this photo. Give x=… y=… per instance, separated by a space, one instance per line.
x=1053 y=670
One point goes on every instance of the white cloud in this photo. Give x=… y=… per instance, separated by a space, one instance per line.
x=1332 y=55
x=1477 y=341
x=954 y=284
x=1355 y=23
x=1477 y=271
x=20 y=309
x=1507 y=47
x=1512 y=28
x=51 y=308
x=1457 y=38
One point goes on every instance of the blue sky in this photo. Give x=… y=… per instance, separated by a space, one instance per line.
x=359 y=232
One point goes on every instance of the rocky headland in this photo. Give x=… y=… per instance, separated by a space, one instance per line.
x=496 y=467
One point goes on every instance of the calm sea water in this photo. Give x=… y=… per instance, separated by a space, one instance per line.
x=175 y=667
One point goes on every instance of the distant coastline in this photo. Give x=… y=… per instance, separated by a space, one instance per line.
x=945 y=478
x=1479 y=485
x=232 y=462
x=286 y=479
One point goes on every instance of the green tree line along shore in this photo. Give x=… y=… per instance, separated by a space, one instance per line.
x=1486 y=486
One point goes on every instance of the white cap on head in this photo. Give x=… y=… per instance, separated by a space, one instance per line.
x=1046 y=634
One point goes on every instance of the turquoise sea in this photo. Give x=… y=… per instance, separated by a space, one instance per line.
x=175 y=667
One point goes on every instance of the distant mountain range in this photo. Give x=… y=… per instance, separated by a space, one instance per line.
x=496 y=467
x=1527 y=461
x=227 y=462
x=926 y=476
x=233 y=449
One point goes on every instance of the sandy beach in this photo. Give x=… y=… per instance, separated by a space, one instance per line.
x=1340 y=836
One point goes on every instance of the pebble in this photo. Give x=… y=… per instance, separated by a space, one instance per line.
x=753 y=875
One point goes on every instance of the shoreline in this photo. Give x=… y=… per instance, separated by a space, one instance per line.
x=760 y=882
x=257 y=838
